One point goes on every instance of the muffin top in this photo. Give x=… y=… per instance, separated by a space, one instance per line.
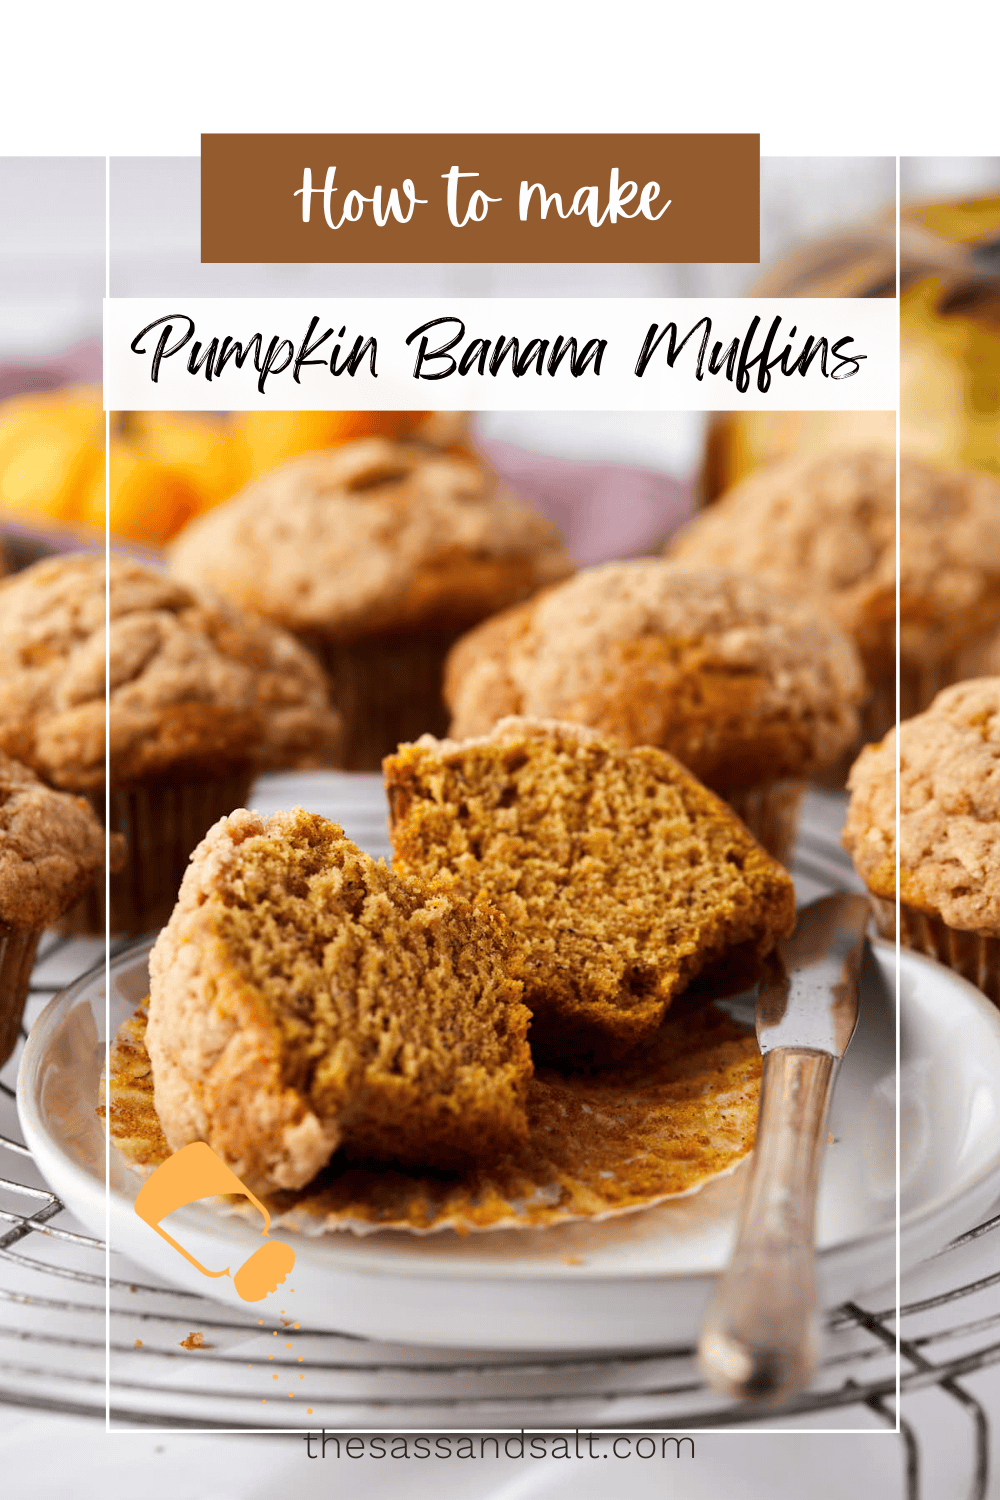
x=372 y=537
x=197 y=689
x=50 y=847
x=826 y=524
x=949 y=806
x=741 y=682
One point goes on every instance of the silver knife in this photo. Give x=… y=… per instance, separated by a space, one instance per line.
x=760 y=1338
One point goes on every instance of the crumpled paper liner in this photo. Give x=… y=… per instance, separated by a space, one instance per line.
x=659 y=1125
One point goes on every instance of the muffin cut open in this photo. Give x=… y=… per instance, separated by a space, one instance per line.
x=622 y=877
x=303 y=997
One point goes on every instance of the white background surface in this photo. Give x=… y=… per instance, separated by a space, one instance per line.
x=863 y=78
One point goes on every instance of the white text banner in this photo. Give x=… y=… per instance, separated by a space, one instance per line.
x=501 y=354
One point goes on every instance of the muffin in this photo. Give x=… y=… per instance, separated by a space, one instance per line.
x=751 y=688
x=949 y=830
x=201 y=699
x=51 y=847
x=377 y=555
x=622 y=878
x=303 y=999
x=826 y=526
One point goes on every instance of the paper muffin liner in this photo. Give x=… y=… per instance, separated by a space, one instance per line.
x=771 y=812
x=161 y=823
x=17 y=957
x=664 y=1123
x=973 y=955
x=388 y=690
x=878 y=715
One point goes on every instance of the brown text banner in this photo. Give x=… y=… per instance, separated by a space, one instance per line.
x=480 y=198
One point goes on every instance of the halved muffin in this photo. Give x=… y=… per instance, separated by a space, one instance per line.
x=304 y=998
x=621 y=876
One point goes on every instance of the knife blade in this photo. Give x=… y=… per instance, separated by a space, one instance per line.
x=760 y=1338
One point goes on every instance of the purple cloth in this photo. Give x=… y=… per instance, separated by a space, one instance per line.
x=79 y=365
x=604 y=511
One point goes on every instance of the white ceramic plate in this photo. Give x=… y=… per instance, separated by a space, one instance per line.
x=639 y=1281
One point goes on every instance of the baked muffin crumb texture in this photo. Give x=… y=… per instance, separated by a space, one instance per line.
x=620 y=875
x=304 y=998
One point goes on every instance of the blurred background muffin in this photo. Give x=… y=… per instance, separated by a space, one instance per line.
x=201 y=698
x=378 y=555
x=752 y=688
x=51 y=847
x=825 y=525
x=949 y=831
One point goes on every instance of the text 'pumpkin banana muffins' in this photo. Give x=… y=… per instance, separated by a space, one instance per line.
x=201 y=698
x=51 y=847
x=377 y=554
x=949 y=838
x=622 y=878
x=754 y=690
x=303 y=999
x=826 y=526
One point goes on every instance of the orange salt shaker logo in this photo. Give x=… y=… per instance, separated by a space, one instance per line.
x=197 y=1172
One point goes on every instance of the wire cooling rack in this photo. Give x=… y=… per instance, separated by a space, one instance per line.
x=53 y=1322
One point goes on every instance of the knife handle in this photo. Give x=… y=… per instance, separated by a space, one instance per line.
x=760 y=1339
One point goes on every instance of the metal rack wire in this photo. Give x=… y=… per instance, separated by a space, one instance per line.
x=53 y=1331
